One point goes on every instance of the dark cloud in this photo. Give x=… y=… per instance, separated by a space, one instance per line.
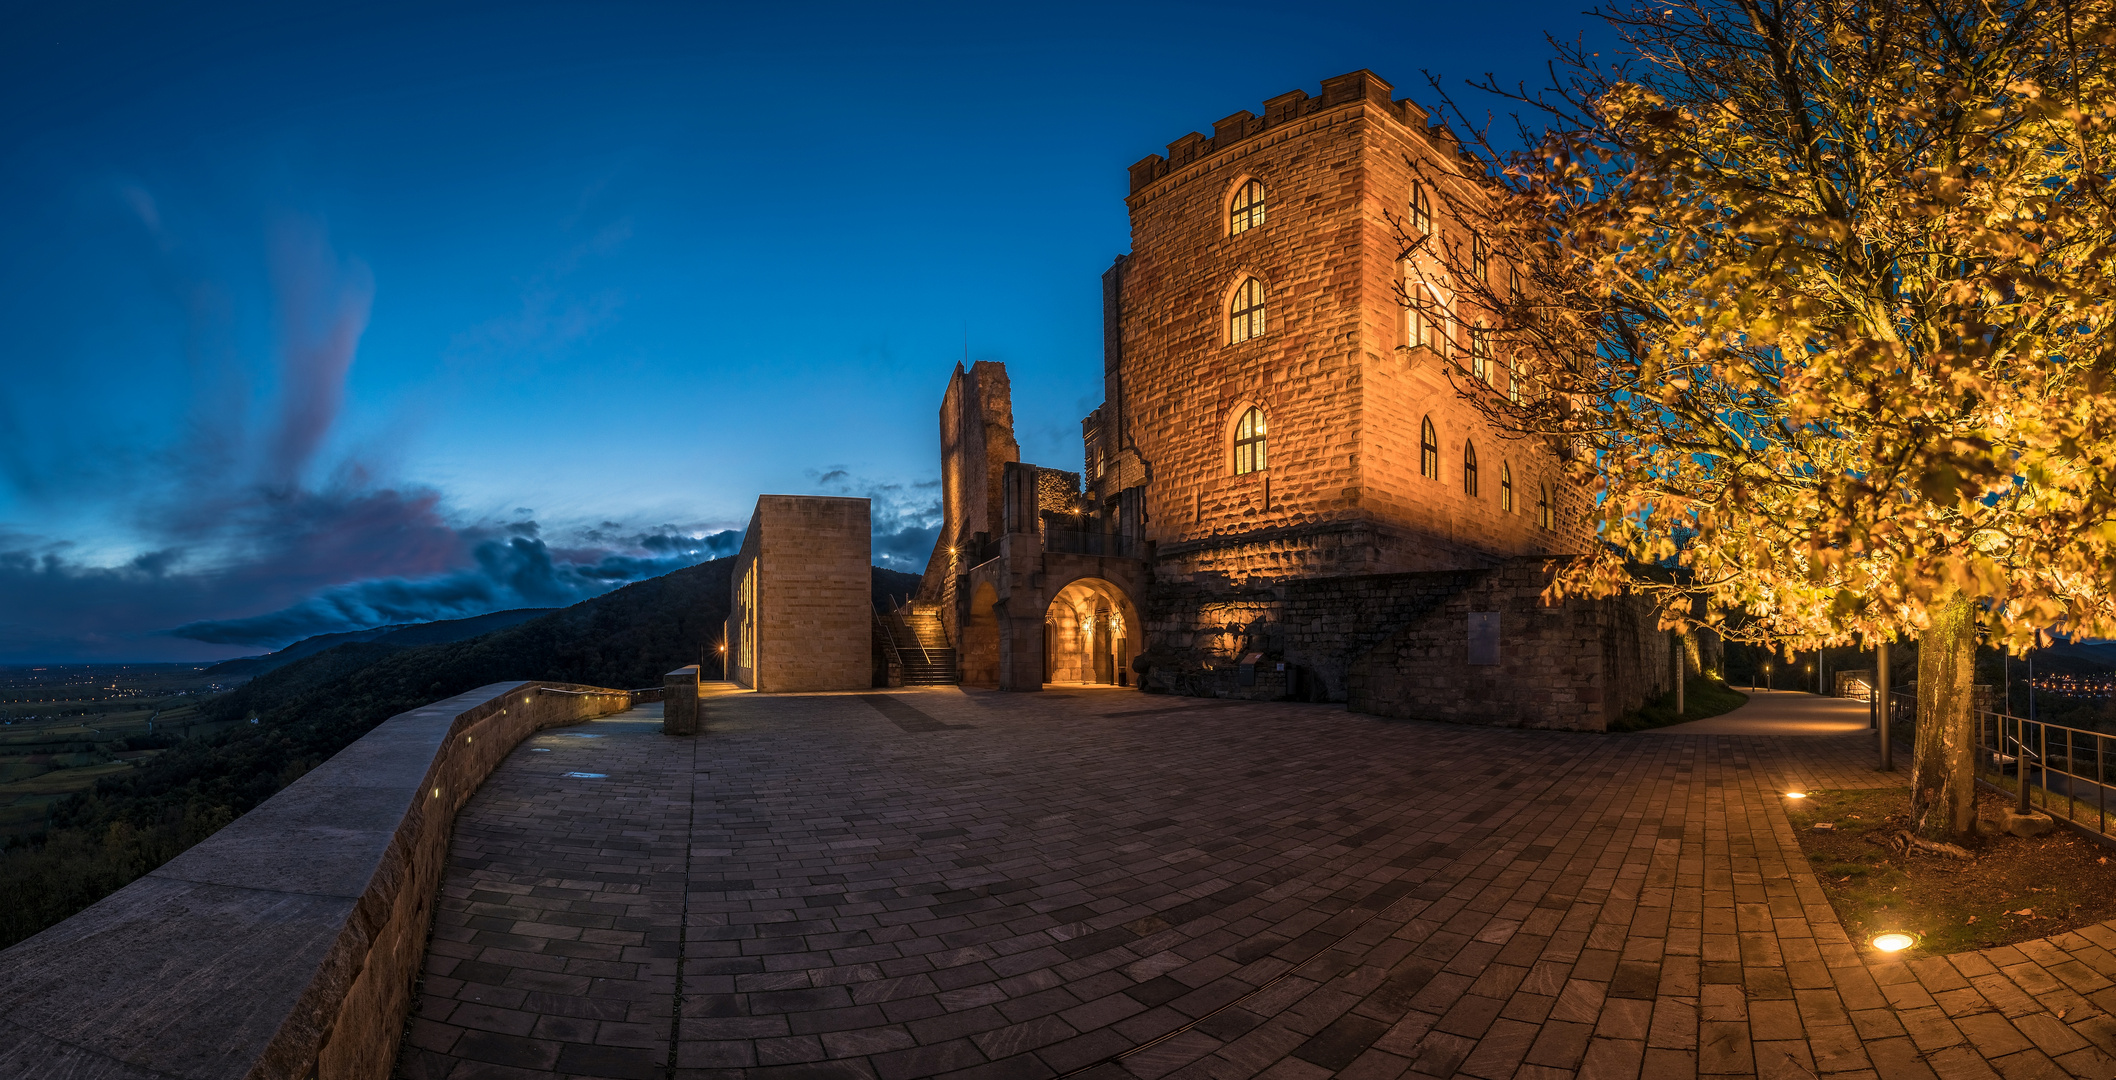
x=519 y=571
x=906 y=516
x=244 y=534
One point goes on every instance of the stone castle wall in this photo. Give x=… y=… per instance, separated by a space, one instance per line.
x=1398 y=645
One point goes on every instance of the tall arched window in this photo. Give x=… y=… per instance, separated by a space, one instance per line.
x=1480 y=353
x=1421 y=215
x=1427 y=320
x=1247 y=210
x=1479 y=257
x=1249 y=443
x=1245 y=313
x=1544 y=516
x=1513 y=384
x=1506 y=488
x=1469 y=468
x=1428 y=450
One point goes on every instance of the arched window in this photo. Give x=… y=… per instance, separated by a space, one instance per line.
x=1245 y=313
x=1249 y=443
x=1247 y=210
x=1506 y=488
x=1513 y=285
x=1479 y=257
x=1480 y=353
x=1428 y=450
x=1513 y=384
x=1427 y=320
x=1421 y=215
x=1544 y=515
x=1469 y=468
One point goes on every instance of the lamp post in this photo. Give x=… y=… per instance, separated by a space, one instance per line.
x=1881 y=692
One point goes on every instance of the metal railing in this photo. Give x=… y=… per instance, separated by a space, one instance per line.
x=1069 y=542
x=2042 y=763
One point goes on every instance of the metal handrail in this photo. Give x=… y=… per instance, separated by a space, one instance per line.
x=2039 y=747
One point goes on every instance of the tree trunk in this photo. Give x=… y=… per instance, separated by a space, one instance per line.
x=1943 y=769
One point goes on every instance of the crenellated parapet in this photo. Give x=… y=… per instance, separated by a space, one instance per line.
x=1360 y=86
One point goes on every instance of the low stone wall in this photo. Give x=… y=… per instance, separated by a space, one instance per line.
x=1399 y=645
x=286 y=944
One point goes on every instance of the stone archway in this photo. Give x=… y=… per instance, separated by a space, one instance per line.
x=1091 y=633
x=980 y=638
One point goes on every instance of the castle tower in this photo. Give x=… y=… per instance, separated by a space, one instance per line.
x=1286 y=494
x=1264 y=382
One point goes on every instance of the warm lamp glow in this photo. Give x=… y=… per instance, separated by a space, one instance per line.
x=1796 y=794
x=1894 y=942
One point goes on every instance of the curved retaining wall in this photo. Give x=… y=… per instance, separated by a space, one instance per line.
x=286 y=944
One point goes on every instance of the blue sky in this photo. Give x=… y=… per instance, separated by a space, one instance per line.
x=319 y=317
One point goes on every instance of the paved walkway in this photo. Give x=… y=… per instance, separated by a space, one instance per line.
x=944 y=883
x=1782 y=712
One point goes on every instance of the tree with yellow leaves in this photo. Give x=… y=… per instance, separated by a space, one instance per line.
x=1818 y=299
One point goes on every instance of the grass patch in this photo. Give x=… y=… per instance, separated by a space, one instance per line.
x=1703 y=696
x=2013 y=890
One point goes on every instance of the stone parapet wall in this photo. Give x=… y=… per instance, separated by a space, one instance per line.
x=286 y=944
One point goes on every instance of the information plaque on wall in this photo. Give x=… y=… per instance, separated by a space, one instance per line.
x=1484 y=638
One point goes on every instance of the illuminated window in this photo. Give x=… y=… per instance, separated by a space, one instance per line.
x=1469 y=468
x=1506 y=487
x=1544 y=515
x=1480 y=353
x=1513 y=284
x=1479 y=258
x=1513 y=384
x=1421 y=215
x=1428 y=450
x=1427 y=320
x=1247 y=211
x=1245 y=315
x=1249 y=443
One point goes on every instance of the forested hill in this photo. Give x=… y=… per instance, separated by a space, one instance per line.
x=314 y=707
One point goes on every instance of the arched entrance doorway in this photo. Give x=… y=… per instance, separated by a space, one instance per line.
x=1090 y=634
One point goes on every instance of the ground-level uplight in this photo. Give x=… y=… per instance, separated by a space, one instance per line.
x=1894 y=941
x=1796 y=794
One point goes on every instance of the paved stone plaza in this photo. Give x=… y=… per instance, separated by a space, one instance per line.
x=1104 y=884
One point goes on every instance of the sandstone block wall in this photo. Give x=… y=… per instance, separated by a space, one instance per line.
x=802 y=612
x=1343 y=396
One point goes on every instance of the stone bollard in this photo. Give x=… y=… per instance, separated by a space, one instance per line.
x=679 y=702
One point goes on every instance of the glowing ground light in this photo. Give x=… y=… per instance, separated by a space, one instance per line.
x=1796 y=794
x=1894 y=942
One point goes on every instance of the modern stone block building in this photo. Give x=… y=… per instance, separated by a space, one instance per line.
x=1284 y=494
x=800 y=614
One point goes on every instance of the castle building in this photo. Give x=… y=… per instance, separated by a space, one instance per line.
x=1284 y=494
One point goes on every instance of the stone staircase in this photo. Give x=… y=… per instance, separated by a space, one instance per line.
x=922 y=647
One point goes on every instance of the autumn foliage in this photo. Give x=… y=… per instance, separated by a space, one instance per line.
x=1818 y=295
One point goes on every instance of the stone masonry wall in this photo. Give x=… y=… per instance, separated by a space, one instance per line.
x=814 y=600
x=1397 y=645
x=1342 y=397
x=1186 y=385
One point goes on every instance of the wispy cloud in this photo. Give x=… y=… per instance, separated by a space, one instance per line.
x=247 y=511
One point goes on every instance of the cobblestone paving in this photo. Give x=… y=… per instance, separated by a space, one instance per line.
x=1100 y=884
